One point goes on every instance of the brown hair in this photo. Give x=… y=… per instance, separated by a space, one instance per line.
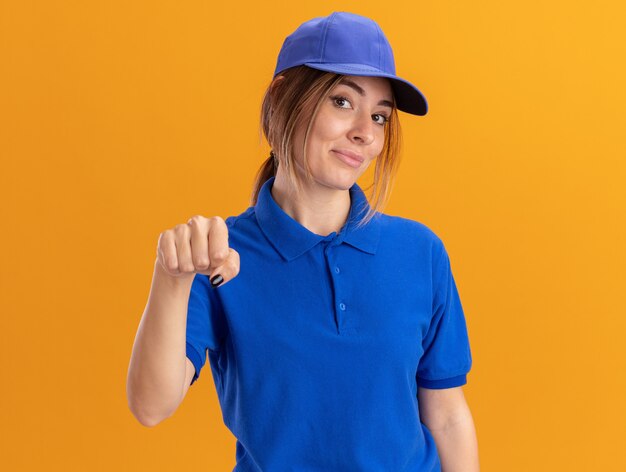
x=304 y=89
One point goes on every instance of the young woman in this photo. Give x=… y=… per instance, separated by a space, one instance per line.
x=335 y=333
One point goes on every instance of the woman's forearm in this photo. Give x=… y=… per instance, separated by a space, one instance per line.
x=457 y=444
x=156 y=373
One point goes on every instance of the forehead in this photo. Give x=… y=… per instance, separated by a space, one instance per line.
x=377 y=85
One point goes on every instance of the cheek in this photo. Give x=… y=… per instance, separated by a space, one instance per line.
x=381 y=143
x=329 y=126
x=322 y=138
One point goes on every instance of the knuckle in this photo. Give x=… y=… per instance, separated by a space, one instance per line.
x=201 y=262
x=216 y=219
x=195 y=219
x=221 y=255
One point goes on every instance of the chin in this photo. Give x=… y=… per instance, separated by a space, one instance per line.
x=338 y=178
x=341 y=182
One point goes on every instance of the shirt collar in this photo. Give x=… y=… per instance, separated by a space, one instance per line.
x=291 y=239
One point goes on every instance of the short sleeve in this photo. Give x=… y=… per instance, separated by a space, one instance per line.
x=447 y=356
x=206 y=325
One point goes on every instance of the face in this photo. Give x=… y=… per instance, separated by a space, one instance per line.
x=348 y=132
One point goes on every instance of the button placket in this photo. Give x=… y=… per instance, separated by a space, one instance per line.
x=338 y=281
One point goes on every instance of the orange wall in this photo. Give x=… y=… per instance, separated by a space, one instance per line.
x=119 y=120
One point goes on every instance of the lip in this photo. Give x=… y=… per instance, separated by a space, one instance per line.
x=349 y=157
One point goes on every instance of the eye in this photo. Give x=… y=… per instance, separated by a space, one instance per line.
x=385 y=119
x=337 y=99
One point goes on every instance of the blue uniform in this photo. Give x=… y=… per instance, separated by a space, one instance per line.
x=317 y=347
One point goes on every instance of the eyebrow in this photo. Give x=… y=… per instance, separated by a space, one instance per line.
x=361 y=92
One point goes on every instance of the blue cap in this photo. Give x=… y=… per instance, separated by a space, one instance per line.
x=349 y=44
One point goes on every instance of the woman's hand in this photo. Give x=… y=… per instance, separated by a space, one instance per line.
x=199 y=246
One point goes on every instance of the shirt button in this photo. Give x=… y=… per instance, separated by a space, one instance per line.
x=337 y=270
x=342 y=306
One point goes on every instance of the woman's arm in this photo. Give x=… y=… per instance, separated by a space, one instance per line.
x=158 y=366
x=447 y=415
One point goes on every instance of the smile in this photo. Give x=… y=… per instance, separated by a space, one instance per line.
x=351 y=161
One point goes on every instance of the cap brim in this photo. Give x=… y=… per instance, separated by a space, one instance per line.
x=408 y=97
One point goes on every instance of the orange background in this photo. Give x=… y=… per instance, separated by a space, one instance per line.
x=119 y=120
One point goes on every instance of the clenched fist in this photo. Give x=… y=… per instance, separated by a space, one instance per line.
x=200 y=246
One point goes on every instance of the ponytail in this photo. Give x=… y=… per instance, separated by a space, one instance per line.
x=267 y=170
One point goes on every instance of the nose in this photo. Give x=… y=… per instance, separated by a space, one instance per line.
x=362 y=129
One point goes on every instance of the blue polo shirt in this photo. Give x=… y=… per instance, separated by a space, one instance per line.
x=317 y=347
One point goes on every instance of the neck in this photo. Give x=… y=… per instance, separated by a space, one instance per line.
x=318 y=208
